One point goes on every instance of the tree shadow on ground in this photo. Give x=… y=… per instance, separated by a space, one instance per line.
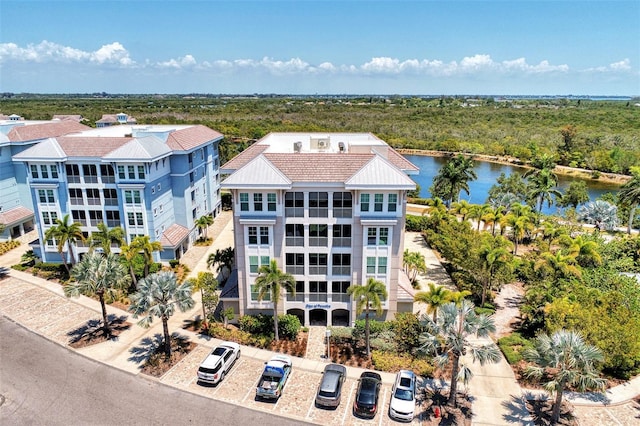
x=146 y=347
x=540 y=407
x=433 y=408
x=149 y=354
x=517 y=411
x=92 y=332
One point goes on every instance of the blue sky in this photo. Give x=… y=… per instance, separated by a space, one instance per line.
x=326 y=47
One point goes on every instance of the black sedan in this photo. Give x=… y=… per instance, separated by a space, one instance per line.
x=366 y=401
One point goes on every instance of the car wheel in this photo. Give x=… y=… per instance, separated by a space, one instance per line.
x=238 y=356
x=222 y=376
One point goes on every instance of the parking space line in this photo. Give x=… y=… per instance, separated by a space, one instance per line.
x=344 y=416
x=252 y=389
x=313 y=401
x=381 y=406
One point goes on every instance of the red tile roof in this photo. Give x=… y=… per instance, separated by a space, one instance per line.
x=174 y=235
x=45 y=130
x=245 y=157
x=318 y=167
x=90 y=146
x=15 y=215
x=399 y=161
x=191 y=137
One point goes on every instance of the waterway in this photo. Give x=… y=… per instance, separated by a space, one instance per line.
x=488 y=174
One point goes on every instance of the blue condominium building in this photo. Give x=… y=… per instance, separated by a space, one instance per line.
x=151 y=180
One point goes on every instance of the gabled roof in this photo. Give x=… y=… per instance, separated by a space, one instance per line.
x=318 y=167
x=243 y=158
x=49 y=149
x=260 y=169
x=379 y=173
x=90 y=146
x=147 y=148
x=15 y=215
x=402 y=163
x=52 y=129
x=191 y=137
x=174 y=236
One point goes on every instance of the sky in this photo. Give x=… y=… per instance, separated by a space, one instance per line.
x=437 y=47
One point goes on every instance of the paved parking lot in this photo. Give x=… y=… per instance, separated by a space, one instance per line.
x=297 y=400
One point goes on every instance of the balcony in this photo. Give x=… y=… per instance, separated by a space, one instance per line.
x=299 y=297
x=295 y=270
x=317 y=297
x=317 y=270
x=342 y=212
x=294 y=241
x=340 y=297
x=342 y=241
x=341 y=270
x=318 y=241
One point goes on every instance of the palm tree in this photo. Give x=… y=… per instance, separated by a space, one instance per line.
x=583 y=249
x=203 y=224
x=542 y=186
x=629 y=195
x=478 y=212
x=446 y=338
x=205 y=282
x=565 y=359
x=144 y=245
x=270 y=283
x=458 y=297
x=29 y=258
x=159 y=295
x=129 y=253
x=106 y=237
x=558 y=265
x=224 y=259
x=98 y=275
x=367 y=297
x=462 y=208
x=494 y=255
x=67 y=235
x=518 y=226
x=434 y=298
x=493 y=216
x=414 y=262
x=602 y=214
x=452 y=178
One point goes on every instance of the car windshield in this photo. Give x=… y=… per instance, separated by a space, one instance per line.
x=219 y=351
x=367 y=392
x=404 y=394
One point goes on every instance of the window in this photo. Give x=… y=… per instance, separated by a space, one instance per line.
x=254 y=294
x=318 y=235
x=141 y=174
x=378 y=200
x=54 y=171
x=46 y=196
x=155 y=212
x=257 y=202
x=159 y=187
x=372 y=236
x=132 y=197
x=371 y=265
x=294 y=234
x=95 y=217
x=264 y=235
x=342 y=204
x=317 y=263
x=299 y=296
x=90 y=172
x=317 y=291
x=93 y=196
x=79 y=216
x=244 y=202
x=110 y=197
x=382 y=265
x=271 y=202
x=106 y=172
x=132 y=219
x=45 y=171
x=75 y=196
x=295 y=263
x=253 y=234
x=113 y=218
x=339 y=291
x=73 y=173
x=34 y=171
x=377 y=236
x=383 y=236
x=49 y=218
x=254 y=266
x=131 y=171
x=294 y=204
x=341 y=264
x=342 y=235
x=153 y=189
x=318 y=204
x=121 y=174
x=364 y=202
x=392 y=205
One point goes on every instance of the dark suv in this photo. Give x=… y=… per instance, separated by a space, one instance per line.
x=366 y=402
x=330 y=389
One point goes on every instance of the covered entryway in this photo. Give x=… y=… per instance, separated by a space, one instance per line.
x=297 y=312
x=340 y=318
x=318 y=317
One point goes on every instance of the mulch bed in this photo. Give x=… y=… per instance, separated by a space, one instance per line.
x=158 y=363
x=296 y=347
x=437 y=412
x=344 y=353
x=92 y=333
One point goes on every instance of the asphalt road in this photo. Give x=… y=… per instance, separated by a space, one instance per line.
x=42 y=383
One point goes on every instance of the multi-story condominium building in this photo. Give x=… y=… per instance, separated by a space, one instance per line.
x=150 y=180
x=330 y=209
x=17 y=135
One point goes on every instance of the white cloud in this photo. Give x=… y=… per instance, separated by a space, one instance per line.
x=48 y=52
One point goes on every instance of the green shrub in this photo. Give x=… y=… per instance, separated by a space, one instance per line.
x=422 y=367
x=257 y=324
x=288 y=326
x=231 y=334
x=375 y=328
x=341 y=334
x=20 y=267
x=512 y=347
x=392 y=362
x=416 y=223
x=174 y=262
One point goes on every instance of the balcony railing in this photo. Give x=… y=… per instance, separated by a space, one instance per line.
x=294 y=241
x=295 y=270
x=108 y=179
x=341 y=270
x=294 y=211
x=76 y=201
x=345 y=212
x=93 y=201
x=110 y=201
x=299 y=297
x=73 y=179
x=340 y=297
x=317 y=297
x=318 y=241
x=342 y=241
x=91 y=179
x=317 y=270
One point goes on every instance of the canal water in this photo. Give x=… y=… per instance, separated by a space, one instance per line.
x=488 y=174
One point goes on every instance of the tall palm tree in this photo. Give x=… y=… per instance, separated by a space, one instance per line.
x=224 y=259
x=462 y=208
x=542 y=187
x=434 y=298
x=413 y=262
x=564 y=359
x=492 y=217
x=558 y=265
x=458 y=297
x=106 y=237
x=98 y=275
x=159 y=295
x=204 y=282
x=447 y=339
x=477 y=212
x=129 y=253
x=452 y=178
x=629 y=195
x=583 y=249
x=367 y=297
x=67 y=234
x=146 y=247
x=494 y=255
x=203 y=223
x=518 y=226
x=270 y=283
